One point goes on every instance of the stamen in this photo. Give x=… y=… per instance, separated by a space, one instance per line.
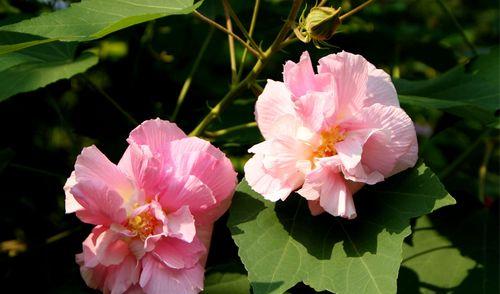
x=328 y=140
x=143 y=224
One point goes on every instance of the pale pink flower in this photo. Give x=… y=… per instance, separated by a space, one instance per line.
x=329 y=133
x=153 y=211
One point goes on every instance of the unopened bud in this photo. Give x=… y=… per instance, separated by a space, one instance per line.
x=319 y=25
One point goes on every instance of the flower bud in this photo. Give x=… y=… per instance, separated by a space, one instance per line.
x=319 y=25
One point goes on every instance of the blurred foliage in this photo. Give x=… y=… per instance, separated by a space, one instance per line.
x=143 y=67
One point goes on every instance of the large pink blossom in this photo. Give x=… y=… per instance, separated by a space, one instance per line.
x=153 y=211
x=329 y=133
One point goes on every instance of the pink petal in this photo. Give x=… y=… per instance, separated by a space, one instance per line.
x=380 y=88
x=178 y=254
x=70 y=203
x=186 y=190
x=351 y=77
x=181 y=224
x=314 y=207
x=193 y=156
x=156 y=278
x=336 y=198
x=274 y=102
x=100 y=204
x=92 y=165
x=316 y=109
x=110 y=248
x=300 y=77
x=397 y=148
x=156 y=133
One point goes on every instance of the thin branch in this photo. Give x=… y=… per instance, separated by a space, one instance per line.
x=230 y=40
x=221 y=28
x=457 y=25
x=355 y=10
x=231 y=129
x=98 y=89
x=239 y=24
x=187 y=82
x=250 y=33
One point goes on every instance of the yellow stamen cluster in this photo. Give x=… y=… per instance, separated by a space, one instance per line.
x=328 y=140
x=142 y=224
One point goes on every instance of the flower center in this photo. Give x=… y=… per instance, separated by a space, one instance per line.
x=328 y=140
x=143 y=224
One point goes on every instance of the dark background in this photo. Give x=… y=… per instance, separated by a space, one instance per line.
x=143 y=69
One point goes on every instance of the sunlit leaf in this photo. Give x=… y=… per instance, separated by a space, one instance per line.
x=92 y=19
x=226 y=279
x=281 y=244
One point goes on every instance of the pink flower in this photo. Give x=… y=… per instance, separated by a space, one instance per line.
x=153 y=212
x=329 y=133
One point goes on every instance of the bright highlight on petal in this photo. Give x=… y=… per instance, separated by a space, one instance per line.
x=329 y=133
x=153 y=212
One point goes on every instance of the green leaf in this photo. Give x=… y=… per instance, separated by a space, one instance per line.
x=281 y=244
x=226 y=279
x=92 y=19
x=38 y=66
x=470 y=91
x=461 y=257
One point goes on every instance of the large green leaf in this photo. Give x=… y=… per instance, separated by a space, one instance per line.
x=281 y=244
x=91 y=19
x=38 y=66
x=462 y=258
x=471 y=90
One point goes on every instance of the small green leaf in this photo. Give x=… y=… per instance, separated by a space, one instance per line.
x=281 y=244
x=35 y=67
x=92 y=19
x=470 y=91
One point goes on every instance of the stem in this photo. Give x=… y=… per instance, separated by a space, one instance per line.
x=239 y=24
x=231 y=129
x=187 y=82
x=355 y=10
x=460 y=159
x=95 y=87
x=219 y=27
x=457 y=25
x=483 y=169
x=252 y=75
x=250 y=32
x=230 y=40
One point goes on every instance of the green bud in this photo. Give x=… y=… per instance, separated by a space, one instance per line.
x=319 y=25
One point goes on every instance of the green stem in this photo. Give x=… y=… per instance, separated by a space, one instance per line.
x=250 y=33
x=460 y=159
x=355 y=10
x=231 y=129
x=98 y=89
x=239 y=24
x=221 y=28
x=187 y=82
x=457 y=25
x=230 y=40
x=252 y=75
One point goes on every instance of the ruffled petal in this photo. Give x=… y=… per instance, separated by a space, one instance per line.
x=178 y=254
x=274 y=102
x=156 y=278
x=316 y=109
x=181 y=224
x=300 y=77
x=92 y=165
x=101 y=206
x=336 y=198
x=110 y=248
x=70 y=203
x=156 y=133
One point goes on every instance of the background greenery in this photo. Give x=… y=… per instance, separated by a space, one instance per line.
x=142 y=68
